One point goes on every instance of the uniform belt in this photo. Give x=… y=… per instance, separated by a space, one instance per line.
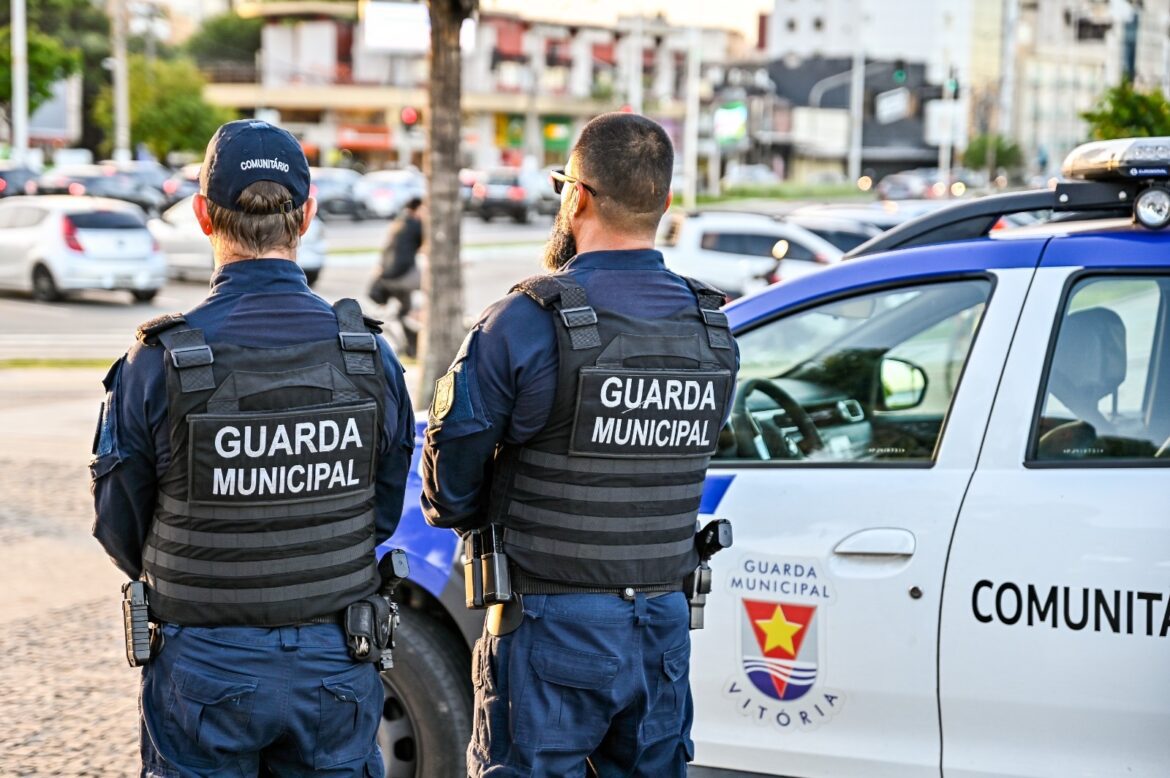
x=337 y=617
x=526 y=584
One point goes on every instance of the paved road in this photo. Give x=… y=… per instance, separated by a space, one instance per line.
x=100 y=325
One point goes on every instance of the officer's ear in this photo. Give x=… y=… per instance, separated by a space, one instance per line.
x=578 y=198
x=669 y=200
x=310 y=213
x=199 y=205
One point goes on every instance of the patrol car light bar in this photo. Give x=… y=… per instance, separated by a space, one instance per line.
x=1117 y=160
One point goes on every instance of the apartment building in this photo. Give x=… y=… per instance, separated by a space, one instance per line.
x=350 y=78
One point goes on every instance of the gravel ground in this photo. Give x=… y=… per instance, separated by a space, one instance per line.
x=68 y=701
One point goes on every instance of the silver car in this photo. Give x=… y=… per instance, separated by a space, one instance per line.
x=54 y=245
x=189 y=253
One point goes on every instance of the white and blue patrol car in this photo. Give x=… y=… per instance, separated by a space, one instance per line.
x=948 y=470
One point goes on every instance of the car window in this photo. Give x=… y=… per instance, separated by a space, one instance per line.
x=846 y=241
x=1106 y=391
x=867 y=379
x=105 y=220
x=749 y=244
x=798 y=252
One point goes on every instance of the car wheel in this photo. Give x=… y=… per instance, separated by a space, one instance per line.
x=426 y=717
x=485 y=215
x=311 y=276
x=523 y=217
x=143 y=295
x=44 y=288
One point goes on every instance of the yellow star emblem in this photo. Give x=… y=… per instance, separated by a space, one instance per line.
x=778 y=631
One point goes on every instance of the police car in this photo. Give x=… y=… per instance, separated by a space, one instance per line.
x=948 y=469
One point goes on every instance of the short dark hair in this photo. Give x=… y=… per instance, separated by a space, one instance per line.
x=414 y=203
x=259 y=226
x=629 y=160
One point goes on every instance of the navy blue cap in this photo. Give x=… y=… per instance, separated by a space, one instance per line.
x=246 y=151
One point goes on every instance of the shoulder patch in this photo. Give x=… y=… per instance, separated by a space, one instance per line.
x=149 y=329
x=444 y=398
x=372 y=324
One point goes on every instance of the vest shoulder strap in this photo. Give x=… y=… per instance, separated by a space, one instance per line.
x=358 y=344
x=710 y=300
x=148 y=331
x=191 y=356
x=565 y=296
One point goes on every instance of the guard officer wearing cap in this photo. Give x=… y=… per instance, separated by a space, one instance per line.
x=572 y=436
x=250 y=455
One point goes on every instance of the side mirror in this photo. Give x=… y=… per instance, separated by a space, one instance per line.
x=901 y=384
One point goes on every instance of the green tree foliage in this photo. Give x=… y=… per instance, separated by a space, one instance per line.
x=1125 y=112
x=1007 y=154
x=48 y=63
x=167 y=109
x=226 y=37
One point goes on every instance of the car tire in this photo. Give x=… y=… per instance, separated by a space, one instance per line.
x=44 y=288
x=311 y=276
x=485 y=216
x=143 y=295
x=523 y=217
x=426 y=717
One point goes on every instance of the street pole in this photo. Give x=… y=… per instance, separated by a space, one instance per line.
x=691 y=122
x=944 y=146
x=121 y=82
x=19 y=119
x=634 y=91
x=856 y=108
x=1007 y=90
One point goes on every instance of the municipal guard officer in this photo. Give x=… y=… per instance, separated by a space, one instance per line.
x=576 y=423
x=250 y=455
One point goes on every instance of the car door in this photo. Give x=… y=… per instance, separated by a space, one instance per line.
x=1055 y=634
x=819 y=653
x=19 y=233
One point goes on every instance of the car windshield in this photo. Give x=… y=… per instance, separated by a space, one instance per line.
x=105 y=220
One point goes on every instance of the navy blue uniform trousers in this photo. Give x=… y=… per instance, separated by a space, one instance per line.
x=585 y=676
x=216 y=701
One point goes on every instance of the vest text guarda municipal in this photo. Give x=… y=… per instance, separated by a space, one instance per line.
x=320 y=437
x=654 y=394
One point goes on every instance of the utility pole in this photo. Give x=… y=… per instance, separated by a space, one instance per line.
x=691 y=122
x=1007 y=90
x=634 y=90
x=121 y=82
x=948 y=105
x=18 y=122
x=856 y=108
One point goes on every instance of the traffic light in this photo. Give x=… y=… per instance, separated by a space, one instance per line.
x=409 y=116
x=899 y=71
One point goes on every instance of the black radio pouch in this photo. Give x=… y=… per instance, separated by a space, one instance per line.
x=368 y=628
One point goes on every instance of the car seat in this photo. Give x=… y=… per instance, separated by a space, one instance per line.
x=1089 y=364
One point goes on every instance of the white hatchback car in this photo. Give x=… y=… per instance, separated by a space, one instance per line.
x=189 y=251
x=741 y=253
x=54 y=245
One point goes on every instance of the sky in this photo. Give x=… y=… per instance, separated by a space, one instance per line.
x=741 y=15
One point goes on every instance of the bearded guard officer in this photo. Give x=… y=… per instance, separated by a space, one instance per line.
x=577 y=422
x=250 y=456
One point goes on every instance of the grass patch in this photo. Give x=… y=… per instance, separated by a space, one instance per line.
x=792 y=191
x=22 y=363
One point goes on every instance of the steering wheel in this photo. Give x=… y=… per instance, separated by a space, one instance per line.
x=749 y=437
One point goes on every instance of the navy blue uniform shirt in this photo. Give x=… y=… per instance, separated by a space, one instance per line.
x=506 y=377
x=258 y=303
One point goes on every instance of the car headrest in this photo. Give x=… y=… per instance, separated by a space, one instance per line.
x=1090 y=360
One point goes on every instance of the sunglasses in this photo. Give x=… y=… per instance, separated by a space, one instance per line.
x=559 y=178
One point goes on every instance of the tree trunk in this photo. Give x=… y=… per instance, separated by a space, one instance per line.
x=443 y=281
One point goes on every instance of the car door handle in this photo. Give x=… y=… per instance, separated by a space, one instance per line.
x=878 y=541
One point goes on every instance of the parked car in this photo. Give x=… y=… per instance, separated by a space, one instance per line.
x=16 y=180
x=750 y=176
x=55 y=245
x=383 y=194
x=741 y=252
x=507 y=192
x=188 y=251
x=334 y=189
x=947 y=471
x=101 y=181
x=183 y=183
x=467 y=179
x=907 y=185
x=883 y=215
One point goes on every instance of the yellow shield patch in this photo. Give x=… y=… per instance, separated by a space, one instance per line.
x=444 y=396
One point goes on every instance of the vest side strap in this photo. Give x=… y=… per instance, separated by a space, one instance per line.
x=358 y=345
x=192 y=358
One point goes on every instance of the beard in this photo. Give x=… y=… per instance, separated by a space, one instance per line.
x=561 y=246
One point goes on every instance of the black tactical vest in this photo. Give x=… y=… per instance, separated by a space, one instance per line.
x=606 y=495
x=265 y=516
